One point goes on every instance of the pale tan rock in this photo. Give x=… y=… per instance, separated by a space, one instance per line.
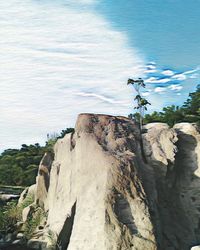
x=187 y=179
x=159 y=143
x=96 y=198
x=108 y=190
x=42 y=180
x=37 y=244
x=173 y=158
x=29 y=191
x=26 y=213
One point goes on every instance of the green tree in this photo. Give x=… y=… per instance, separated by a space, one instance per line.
x=191 y=106
x=20 y=166
x=154 y=117
x=188 y=112
x=66 y=131
x=141 y=102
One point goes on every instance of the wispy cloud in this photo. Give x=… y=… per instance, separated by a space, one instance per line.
x=84 y=2
x=150 y=68
x=175 y=87
x=103 y=98
x=179 y=77
x=60 y=58
x=159 y=89
x=167 y=72
x=156 y=80
x=56 y=62
x=162 y=78
x=166 y=86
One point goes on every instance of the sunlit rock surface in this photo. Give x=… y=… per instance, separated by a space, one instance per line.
x=108 y=189
x=96 y=198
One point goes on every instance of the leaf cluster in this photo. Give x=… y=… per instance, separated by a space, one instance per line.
x=11 y=213
x=188 y=112
x=9 y=216
x=33 y=221
x=19 y=167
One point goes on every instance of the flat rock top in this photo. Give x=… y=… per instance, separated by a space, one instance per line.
x=87 y=120
x=188 y=128
x=156 y=125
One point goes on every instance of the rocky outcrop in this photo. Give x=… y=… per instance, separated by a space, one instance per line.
x=108 y=188
x=43 y=179
x=29 y=191
x=173 y=158
x=96 y=198
x=187 y=181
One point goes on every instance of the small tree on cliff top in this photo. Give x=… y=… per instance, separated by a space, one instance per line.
x=141 y=102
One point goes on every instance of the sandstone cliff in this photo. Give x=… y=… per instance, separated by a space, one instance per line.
x=106 y=190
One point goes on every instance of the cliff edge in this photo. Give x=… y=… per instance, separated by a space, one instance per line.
x=109 y=188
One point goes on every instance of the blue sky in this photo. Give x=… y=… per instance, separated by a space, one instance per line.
x=61 y=58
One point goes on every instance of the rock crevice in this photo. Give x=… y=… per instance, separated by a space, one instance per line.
x=103 y=195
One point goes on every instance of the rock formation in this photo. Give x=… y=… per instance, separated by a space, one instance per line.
x=108 y=188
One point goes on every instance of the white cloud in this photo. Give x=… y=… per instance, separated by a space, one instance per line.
x=187 y=74
x=160 y=89
x=146 y=93
x=99 y=97
x=175 y=87
x=157 y=80
x=168 y=72
x=150 y=71
x=168 y=75
x=192 y=71
x=151 y=66
x=85 y=1
x=180 y=77
x=50 y=53
x=194 y=76
x=152 y=63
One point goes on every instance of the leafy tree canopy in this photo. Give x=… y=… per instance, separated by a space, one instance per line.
x=19 y=166
x=188 y=112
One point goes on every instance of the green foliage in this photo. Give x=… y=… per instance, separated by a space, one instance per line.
x=65 y=131
x=9 y=215
x=26 y=202
x=53 y=238
x=20 y=166
x=141 y=101
x=188 y=112
x=33 y=221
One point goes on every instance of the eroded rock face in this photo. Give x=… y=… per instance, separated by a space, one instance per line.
x=96 y=198
x=173 y=159
x=187 y=180
x=43 y=179
x=29 y=191
x=110 y=190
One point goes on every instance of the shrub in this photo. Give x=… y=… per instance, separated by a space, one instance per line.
x=33 y=221
x=10 y=214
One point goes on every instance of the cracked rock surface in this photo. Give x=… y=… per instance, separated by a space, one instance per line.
x=101 y=194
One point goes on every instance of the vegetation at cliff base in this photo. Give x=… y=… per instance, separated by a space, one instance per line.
x=9 y=216
x=19 y=166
